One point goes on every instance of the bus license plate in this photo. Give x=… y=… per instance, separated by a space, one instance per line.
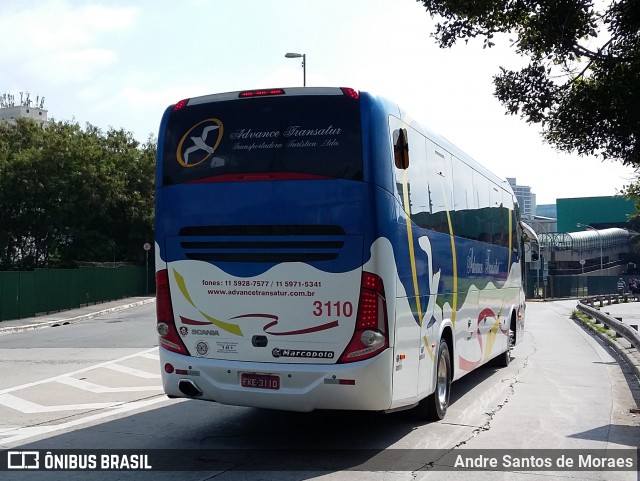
x=260 y=381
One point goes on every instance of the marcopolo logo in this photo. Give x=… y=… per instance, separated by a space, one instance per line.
x=199 y=142
x=277 y=352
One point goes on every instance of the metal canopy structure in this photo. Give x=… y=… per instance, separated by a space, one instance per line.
x=585 y=240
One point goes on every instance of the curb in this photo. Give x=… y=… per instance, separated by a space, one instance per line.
x=73 y=320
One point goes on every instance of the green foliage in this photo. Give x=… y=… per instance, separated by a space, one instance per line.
x=588 y=322
x=632 y=192
x=581 y=84
x=70 y=195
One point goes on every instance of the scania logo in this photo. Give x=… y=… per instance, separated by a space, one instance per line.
x=184 y=331
x=199 y=143
x=277 y=352
x=204 y=332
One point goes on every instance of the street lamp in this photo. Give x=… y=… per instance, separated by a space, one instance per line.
x=304 y=65
x=599 y=238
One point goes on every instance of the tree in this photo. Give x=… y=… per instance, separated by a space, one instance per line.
x=581 y=84
x=69 y=195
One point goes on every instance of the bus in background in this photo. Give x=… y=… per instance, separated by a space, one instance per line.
x=316 y=248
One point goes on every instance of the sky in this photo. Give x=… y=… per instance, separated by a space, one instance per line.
x=119 y=64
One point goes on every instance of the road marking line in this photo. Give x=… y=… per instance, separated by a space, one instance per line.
x=97 y=388
x=132 y=372
x=29 y=407
x=148 y=355
x=74 y=373
x=20 y=434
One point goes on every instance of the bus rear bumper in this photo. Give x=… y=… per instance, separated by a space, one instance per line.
x=364 y=385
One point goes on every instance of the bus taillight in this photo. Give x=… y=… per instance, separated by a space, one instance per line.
x=349 y=92
x=260 y=93
x=166 y=327
x=371 y=334
x=183 y=103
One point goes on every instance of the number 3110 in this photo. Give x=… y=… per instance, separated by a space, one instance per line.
x=332 y=308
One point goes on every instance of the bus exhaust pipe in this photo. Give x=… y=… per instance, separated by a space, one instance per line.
x=189 y=388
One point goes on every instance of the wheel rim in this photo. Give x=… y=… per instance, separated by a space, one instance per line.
x=443 y=381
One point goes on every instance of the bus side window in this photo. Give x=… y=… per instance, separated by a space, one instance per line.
x=401 y=149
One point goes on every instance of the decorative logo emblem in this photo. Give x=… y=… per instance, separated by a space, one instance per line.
x=277 y=352
x=184 y=331
x=199 y=143
x=202 y=348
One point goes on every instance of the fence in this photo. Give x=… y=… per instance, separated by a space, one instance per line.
x=25 y=294
x=571 y=286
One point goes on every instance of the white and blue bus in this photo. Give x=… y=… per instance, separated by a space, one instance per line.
x=316 y=248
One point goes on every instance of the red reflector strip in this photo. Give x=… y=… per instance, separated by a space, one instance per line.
x=343 y=382
x=260 y=93
x=187 y=372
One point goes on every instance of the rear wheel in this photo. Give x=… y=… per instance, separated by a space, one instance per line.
x=504 y=359
x=434 y=407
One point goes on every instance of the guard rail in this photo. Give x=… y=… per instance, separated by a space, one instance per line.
x=612 y=323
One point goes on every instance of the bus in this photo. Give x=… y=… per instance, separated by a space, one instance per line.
x=318 y=249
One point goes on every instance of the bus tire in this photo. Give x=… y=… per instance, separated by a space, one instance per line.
x=434 y=407
x=503 y=359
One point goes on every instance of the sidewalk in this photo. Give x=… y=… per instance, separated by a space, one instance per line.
x=73 y=315
x=628 y=313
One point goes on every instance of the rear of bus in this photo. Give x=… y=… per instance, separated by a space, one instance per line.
x=264 y=222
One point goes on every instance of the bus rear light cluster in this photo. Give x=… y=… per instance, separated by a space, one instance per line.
x=371 y=335
x=180 y=105
x=260 y=93
x=349 y=92
x=166 y=327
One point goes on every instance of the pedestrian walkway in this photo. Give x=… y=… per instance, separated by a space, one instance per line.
x=628 y=313
x=72 y=316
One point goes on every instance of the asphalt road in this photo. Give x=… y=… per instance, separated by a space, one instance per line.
x=95 y=385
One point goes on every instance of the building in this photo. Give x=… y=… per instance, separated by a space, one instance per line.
x=593 y=246
x=26 y=108
x=526 y=198
x=547 y=210
x=595 y=212
x=602 y=252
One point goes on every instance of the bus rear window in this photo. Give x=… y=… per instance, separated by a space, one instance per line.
x=294 y=137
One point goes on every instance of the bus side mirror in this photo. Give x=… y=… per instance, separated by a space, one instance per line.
x=401 y=149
